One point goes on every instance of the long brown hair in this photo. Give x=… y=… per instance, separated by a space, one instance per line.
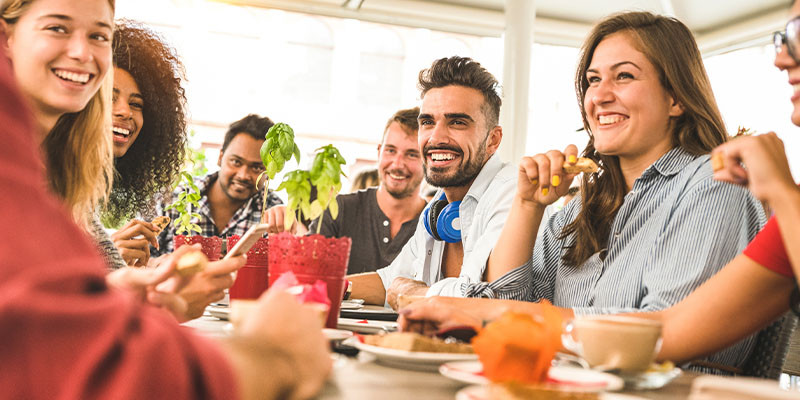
x=78 y=150
x=670 y=47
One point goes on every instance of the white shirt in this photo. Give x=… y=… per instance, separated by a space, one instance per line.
x=482 y=214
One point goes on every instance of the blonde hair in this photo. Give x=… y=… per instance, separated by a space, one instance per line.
x=79 y=148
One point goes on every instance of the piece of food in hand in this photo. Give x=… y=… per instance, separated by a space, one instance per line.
x=717 y=162
x=191 y=263
x=160 y=222
x=583 y=164
x=515 y=391
x=410 y=341
x=519 y=347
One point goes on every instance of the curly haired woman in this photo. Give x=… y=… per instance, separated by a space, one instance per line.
x=149 y=132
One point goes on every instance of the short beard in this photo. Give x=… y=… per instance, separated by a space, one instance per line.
x=463 y=176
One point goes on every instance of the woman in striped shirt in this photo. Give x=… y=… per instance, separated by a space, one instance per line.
x=652 y=225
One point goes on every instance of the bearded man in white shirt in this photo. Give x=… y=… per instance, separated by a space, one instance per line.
x=458 y=137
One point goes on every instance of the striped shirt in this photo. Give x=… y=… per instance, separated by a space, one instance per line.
x=676 y=228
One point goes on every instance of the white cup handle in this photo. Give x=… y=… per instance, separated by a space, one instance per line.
x=568 y=339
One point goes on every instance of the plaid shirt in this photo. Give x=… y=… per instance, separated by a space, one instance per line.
x=246 y=216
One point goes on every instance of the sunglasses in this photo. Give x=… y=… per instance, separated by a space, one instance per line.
x=789 y=37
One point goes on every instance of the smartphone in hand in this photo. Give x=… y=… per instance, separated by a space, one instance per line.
x=247 y=241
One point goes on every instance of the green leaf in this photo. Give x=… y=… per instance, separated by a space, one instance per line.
x=296 y=152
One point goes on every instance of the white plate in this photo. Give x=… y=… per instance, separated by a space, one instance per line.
x=584 y=380
x=219 y=312
x=336 y=335
x=481 y=392
x=352 y=304
x=366 y=326
x=410 y=359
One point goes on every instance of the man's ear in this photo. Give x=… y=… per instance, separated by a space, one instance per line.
x=494 y=139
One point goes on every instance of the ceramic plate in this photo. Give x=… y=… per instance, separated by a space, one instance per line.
x=575 y=379
x=481 y=392
x=650 y=379
x=410 y=359
x=219 y=312
x=370 y=312
x=366 y=326
x=336 y=335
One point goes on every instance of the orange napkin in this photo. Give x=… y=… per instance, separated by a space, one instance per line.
x=519 y=347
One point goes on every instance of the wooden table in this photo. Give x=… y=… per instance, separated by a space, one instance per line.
x=359 y=378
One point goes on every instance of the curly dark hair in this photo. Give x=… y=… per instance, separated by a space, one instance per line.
x=155 y=159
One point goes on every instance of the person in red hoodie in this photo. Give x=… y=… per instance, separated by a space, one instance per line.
x=67 y=334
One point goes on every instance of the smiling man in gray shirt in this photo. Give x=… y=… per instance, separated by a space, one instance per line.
x=381 y=220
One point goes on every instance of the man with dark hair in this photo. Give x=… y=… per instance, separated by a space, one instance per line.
x=379 y=220
x=458 y=136
x=231 y=198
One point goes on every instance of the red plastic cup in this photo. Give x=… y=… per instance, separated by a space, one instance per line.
x=252 y=279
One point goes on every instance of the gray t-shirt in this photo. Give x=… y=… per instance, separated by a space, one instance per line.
x=362 y=220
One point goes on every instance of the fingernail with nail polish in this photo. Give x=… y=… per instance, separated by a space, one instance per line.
x=556 y=180
x=545 y=191
x=572 y=159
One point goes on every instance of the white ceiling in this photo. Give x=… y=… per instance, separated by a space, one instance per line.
x=719 y=25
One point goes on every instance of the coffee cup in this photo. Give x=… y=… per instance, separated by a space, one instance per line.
x=607 y=342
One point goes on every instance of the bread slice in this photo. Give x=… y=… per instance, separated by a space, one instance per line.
x=161 y=222
x=191 y=263
x=410 y=341
x=582 y=164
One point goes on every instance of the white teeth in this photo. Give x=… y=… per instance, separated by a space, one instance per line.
x=610 y=119
x=442 y=156
x=397 y=176
x=72 y=76
x=121 y=131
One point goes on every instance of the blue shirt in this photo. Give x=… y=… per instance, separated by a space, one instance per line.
x=676 y=228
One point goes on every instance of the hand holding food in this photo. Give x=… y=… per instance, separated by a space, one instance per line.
x=133 y=241
x=279 y=318
x=758 y=162
x=544 y=178
x=192 y=263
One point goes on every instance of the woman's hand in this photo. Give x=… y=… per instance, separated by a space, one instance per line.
x=157 y=286
x=208 y=286
x=542 y=180
x=758 y=162
x=133 y=242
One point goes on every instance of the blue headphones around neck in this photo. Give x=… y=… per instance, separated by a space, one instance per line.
x=442 y=221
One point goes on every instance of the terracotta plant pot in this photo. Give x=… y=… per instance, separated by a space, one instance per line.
x=312 y=258
x=212 y=246
x=252 y=279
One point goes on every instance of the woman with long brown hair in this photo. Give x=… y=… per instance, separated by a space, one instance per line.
x=651 y=225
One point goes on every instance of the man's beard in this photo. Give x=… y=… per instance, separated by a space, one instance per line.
x=409 y=189
x=466 y=173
